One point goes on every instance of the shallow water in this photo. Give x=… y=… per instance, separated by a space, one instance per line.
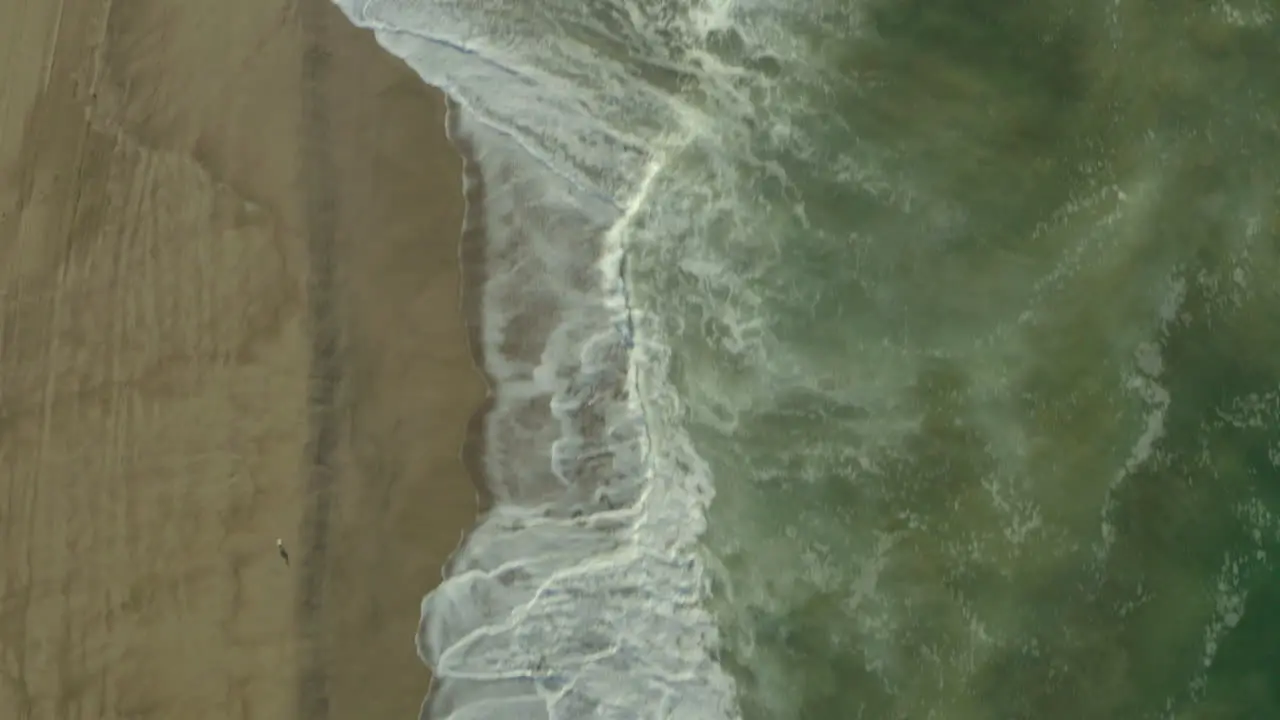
x=882 y=359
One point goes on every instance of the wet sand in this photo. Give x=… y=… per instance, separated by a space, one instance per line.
x=228 y=313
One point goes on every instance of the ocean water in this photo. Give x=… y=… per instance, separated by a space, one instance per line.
x=883 y=359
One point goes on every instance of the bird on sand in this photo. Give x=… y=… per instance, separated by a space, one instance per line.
x=284 y=554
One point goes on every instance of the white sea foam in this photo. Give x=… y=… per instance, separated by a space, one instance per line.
x=580 y=595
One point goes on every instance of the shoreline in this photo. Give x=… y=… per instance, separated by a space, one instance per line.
x=472 y=267
x=473 y=264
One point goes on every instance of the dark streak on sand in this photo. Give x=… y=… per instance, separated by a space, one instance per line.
x=320 y=226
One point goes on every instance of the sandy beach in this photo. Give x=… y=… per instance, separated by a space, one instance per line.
x=228 y=313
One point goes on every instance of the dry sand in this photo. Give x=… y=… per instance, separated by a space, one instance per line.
x=228 y=312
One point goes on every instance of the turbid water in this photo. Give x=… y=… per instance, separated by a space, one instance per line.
x=893 y=360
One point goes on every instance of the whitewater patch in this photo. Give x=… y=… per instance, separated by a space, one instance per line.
x=582 y=586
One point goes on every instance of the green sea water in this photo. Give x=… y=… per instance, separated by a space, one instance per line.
x=983 y=352
x=932 y=346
